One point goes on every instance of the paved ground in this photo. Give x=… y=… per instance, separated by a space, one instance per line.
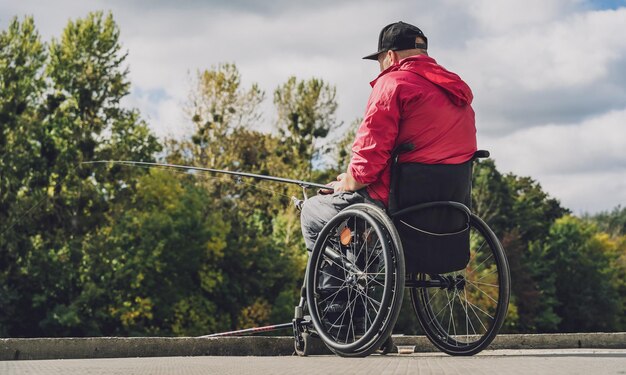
x=566 y=361
x=130 y=347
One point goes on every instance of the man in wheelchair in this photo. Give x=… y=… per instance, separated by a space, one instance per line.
x=414 y=101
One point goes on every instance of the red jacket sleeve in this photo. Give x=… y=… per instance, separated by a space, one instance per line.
x=376 y=136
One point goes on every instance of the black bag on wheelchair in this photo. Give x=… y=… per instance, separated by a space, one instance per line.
x=435 y=239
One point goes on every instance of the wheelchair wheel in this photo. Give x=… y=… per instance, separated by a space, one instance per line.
x=355 y=281
x=461 y=312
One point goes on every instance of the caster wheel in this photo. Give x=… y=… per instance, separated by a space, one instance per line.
x=303 y=349
x=386 y=347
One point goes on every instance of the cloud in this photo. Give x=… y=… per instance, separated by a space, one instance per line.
x=588 y=192
x=266 y=8
x=567 y=54
x=504 y=16
x=267 y=50
x=583 y=164
x=557 y=72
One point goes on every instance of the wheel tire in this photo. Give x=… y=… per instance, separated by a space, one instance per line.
x=370 y=276
x=465 y=320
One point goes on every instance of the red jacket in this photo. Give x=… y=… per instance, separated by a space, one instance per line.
x=415 y=101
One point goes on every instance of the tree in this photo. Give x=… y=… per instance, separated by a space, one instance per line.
x=532 y=208
x=614 y=249
x=520 y=213
x=260 y=272
x=306 y=115
x=22 y=59
x=613 y=222
x=582 y=277
x=343 y=148
x=491 y=196
x=154 y=266
x=76 y=114
x=218 y=106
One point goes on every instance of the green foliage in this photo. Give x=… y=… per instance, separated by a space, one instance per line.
x=157 y=258
x=614 y=251
x=261 y=269
x=218 y=106
x=306 y=114
x=581 y=275
x=343 y=147
x=532 y=208
x=491 y=196
x=613 y=222
x=521 y=213
x=22 y=58
x=68 y=112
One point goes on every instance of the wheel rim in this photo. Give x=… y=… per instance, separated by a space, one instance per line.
x=363 y=272
x=464 y=317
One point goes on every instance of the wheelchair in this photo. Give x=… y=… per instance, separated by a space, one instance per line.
x=429 y=242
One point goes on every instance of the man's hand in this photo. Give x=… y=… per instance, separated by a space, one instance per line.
x=336 y=186
x=345 y=182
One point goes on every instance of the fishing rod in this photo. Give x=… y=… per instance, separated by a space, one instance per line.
x=297 y=202
x=303 y=184
x=296 y=324
x=250 y=331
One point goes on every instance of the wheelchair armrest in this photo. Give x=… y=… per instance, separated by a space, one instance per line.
x=481 y=154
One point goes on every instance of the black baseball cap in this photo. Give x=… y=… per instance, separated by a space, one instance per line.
x=397 y=37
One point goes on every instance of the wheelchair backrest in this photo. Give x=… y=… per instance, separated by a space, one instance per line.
x=416 y=183
x=435 y=238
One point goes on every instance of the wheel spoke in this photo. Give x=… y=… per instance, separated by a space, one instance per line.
x=481 y=310
x=439 y=312
x=483 y=292
x=485 y=284
x=471 y=308
x=351 y=318
x=340 y=265
x=451 y=320
x=483 y=262
x=334 y=294
x=373 y=280
x=468 y=321
x=376 y=255
x=333 y=276
x=366 y=316
x=494 y=272
x=342 y=316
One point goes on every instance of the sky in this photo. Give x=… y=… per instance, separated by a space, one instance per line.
x=548 y=76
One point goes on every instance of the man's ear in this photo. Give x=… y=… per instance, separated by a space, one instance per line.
x=394 y=57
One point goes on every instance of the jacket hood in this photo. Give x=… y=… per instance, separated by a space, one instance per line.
x=458 y=91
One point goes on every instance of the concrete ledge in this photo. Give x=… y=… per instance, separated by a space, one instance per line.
x=120 y=347
x=533 y=341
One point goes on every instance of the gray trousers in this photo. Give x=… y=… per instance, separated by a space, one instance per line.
x=318 y=210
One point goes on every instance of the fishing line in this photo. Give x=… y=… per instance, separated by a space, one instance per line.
x=236 y=179
x=25 y=214
x=191 y=171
